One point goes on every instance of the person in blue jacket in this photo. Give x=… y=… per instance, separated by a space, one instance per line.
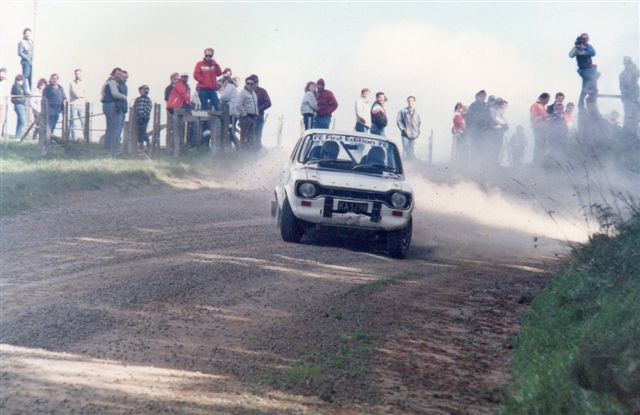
x=583 y=52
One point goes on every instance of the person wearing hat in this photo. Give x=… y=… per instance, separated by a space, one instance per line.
x=327 y=104
x=142 y=107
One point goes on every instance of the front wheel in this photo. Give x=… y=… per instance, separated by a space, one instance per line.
x=291 y=227
x=399 y=241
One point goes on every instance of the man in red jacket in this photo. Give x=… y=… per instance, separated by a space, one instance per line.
x=206 y=73
x=327 y=104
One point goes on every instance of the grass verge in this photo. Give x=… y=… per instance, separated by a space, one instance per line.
x=579 y=347
x=29 y=181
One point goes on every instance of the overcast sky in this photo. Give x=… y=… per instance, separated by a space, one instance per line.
x=439 y=52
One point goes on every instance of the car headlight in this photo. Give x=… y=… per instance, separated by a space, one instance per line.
x=398 y=200
x=307 y=189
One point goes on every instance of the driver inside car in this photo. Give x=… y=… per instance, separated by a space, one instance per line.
x=376 y=155
x=330 y=150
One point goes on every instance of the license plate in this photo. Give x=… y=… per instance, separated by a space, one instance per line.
x=354 y=207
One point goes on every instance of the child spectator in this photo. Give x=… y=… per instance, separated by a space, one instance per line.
x=142 y=107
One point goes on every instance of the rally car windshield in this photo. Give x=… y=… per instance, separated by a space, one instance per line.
x=352 y=153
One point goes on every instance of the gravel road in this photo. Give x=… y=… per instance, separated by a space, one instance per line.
x=173 y=300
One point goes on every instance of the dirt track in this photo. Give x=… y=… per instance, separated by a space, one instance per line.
x=188 y=301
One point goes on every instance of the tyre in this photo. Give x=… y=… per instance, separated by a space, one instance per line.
x=291 y=227
x=399 y=241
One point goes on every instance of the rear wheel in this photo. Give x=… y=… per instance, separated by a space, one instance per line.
x=291 y=227
x=399 y=241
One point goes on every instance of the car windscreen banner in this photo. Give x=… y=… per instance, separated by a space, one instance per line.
x=349 y=139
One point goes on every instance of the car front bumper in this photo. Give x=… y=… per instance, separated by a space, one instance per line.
x=323 y=211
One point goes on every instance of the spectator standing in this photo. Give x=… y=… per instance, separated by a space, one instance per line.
x=517 y=144
x=539 y=123
x=228 y=96
x=77 y=96
x=19 y=101
x=248 y=112
x=54 y=93
x=459 y=151
x=3 y=109
x=309 y=106
x=479 y=122
x=206 y=73
x=496 y=136
x=122 y=107
x=558 y=133
x=264 y=103
x=180 y=94
x=25 y=52
x=35 y=102
x=568 y=115
x=110 y=95
x=142 y=107
x=379 y=114
x=363 y=113
x=584 y=52
x=172 y=81
x=327 y=104
x=409 y=124
x=559 y=99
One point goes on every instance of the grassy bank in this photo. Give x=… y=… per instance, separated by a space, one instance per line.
x=579 y=347
x=29 y=181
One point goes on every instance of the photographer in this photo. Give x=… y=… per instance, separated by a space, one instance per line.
x=583 y=52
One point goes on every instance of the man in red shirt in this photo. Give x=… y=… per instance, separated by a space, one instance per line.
x=206 y=73
x=327 y=104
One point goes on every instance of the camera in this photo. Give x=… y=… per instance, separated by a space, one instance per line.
x=578 y=41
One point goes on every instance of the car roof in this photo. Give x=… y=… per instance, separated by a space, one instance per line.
x=350 y=133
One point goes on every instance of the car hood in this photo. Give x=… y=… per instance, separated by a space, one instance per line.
x=332 y=178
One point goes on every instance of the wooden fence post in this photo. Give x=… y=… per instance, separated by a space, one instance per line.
x=44 y=133
x=226 y=139
x=178 y=131
x=155 y=132
x=430 y=151
x=133 y=131
x=280 y=127
x=86 y=131
x=64 y=127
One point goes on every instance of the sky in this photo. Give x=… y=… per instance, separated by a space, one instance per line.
x=440 y=52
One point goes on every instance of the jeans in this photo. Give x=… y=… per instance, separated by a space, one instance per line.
x=53 y=119
x=377 y=130
x=589 y=84
x=117 y=131
x=77 y=117
x=26 y=72
x=407 y=147
x=307 y=120
x=259 y=125
x=247 y=132
x=142 y=125
x=21 y=112
x=361 y=128
x=115 y=124
x=208 y=98
x=322 y=121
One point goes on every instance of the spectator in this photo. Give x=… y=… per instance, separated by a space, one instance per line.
x=35 y=102
x=309 y=106
x=248 y=112
x=584 y=52
x=226 y=73
x=568 y=115
x=558 y=133
x=228 y=96
x=19 y=101
x=55 y=96
x=77 y=95
x=110 y=95
x=122 y=107
x=363 y=113
x=539 y=123
x=205 y=73
x=179 y=97
x=517 y=144
x=327 y=104
x=25 y=52
x=3 y=114
x=459 y=151
x=495 y=138
x=479 y=122
x=264 y=103
x=409 y=124
x=559 y=99
x=167 y=91
x=142 y=107
x=379 y=115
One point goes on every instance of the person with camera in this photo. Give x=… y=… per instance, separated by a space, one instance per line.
x=583 y=52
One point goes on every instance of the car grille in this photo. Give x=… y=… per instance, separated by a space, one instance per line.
x=384 y=197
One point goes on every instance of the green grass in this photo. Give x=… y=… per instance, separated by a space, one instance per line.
x=579 y=347
x=29 y=181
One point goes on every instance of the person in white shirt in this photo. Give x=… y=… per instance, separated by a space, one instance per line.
x=363 y=112
x=77 y=99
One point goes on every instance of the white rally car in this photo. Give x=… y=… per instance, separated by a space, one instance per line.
x=347 y=180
